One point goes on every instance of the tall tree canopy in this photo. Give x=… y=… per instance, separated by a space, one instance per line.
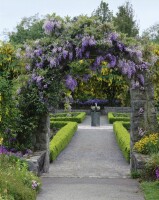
x=28 y=29
x=103 y=12
x=124 y=20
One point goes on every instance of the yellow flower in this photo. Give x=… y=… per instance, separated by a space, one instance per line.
x=141 y=145
x=1 y=141
x=81 y=61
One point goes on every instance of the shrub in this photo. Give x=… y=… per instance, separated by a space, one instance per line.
x=16 y=182
x=151 y=170
x=57 y=124
x=123 y=138
x=113 y=117
x=148 y=144
x=78 y=118
x=61 y=139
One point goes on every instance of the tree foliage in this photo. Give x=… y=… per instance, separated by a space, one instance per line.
x=124 y=20
x=152 y=33
x=103 y=12
x=28 y=29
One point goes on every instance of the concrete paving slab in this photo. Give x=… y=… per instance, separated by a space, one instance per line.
x=92 y=167
x=89 y=189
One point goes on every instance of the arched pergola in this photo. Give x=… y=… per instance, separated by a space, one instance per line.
x=128 y=60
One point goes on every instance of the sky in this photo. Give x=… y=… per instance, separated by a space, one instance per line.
x=12 y=11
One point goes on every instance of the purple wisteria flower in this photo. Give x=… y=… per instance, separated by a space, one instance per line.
x=3 y=150
x=88 y=41
x=98 y=60
x=120 y=46
x=78 y=52
x=39 y=65
x=39 y=81
x=127 y=67
x=33 y=77
x=111 y=60
x=113 y=36
x=87 y=54
x=38 y=52
x=59 y=49
x=52 y=62
x=70 y=56
x=27 y=67
x=65 y=54
x=50 y=26
x=141 y=79
x=157 y=173
x=71 y=83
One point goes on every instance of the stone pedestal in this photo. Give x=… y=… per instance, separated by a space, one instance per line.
x=95 y=118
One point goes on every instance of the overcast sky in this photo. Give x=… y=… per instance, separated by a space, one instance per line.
x=12 y=11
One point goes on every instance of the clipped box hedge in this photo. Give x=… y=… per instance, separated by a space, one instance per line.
x=80 y=116
x=62 y=137
x=123 y=138
x=113 y=118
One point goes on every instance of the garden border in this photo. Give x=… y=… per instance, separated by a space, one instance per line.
x=123 y=138
x=112 y=118
x=79 y=118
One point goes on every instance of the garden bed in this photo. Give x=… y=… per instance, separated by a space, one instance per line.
x=113 y=117
x=73 y=117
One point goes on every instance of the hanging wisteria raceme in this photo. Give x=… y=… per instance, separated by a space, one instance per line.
x=71 y=83
x=51 y=25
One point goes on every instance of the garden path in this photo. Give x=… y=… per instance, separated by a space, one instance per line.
x=90 y=168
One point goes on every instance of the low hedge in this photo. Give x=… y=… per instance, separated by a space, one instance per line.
x=78 y=118
x=112 y=118
x=123 y=138
x=62 y=138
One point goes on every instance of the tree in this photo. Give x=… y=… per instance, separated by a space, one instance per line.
x=103 y=12
x=28 y=29
x=124 y=20
x=152 y=33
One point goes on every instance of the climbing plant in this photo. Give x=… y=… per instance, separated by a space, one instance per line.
x=48 y=63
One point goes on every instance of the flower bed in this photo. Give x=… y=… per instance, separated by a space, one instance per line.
x=16 y=182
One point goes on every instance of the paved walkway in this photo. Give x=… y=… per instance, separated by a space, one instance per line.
x=90 y=168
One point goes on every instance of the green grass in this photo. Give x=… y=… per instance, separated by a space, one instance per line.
x=151 y=190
